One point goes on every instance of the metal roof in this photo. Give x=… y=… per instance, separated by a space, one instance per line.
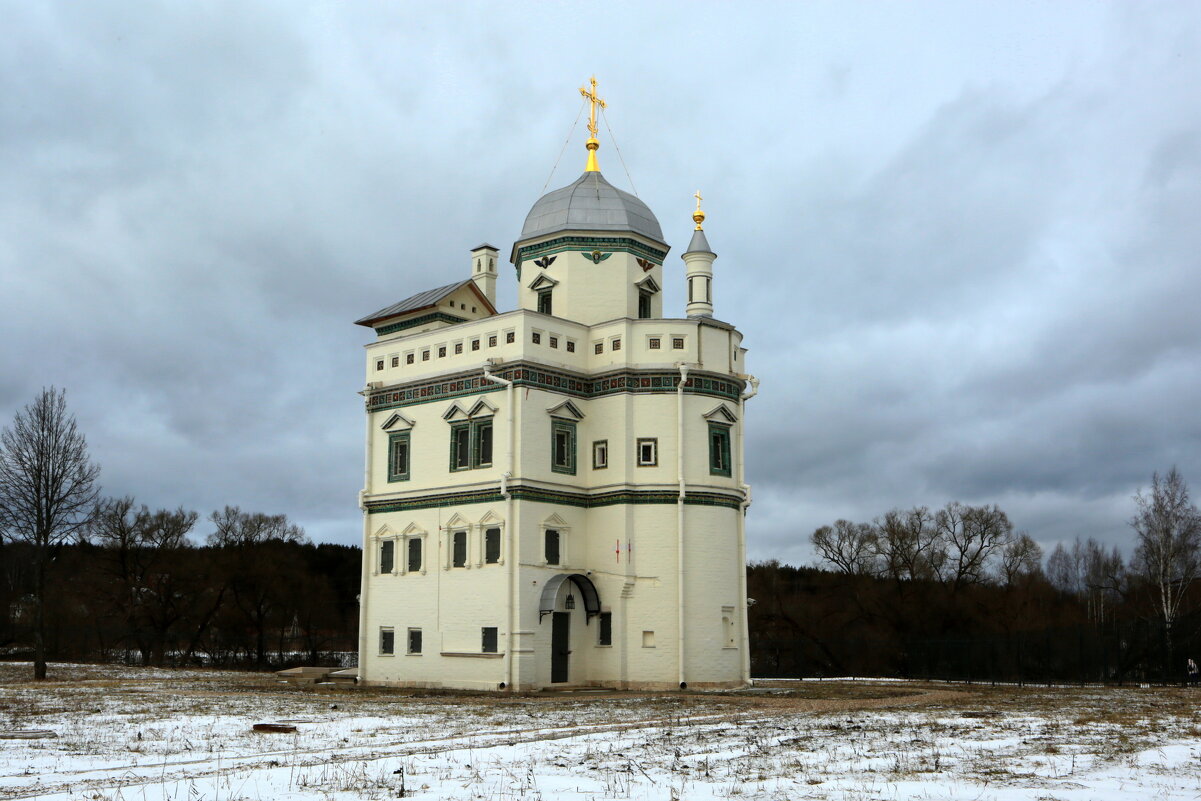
x=421 y=300
x=590 y=204
x=699 y=243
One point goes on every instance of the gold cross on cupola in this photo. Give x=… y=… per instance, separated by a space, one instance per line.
x=593 y=143
x=698 y=216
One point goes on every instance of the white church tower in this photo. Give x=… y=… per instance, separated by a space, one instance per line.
x=554 y=496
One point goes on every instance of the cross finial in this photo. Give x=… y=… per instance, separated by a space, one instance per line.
x=592 y=144
x=698 y=215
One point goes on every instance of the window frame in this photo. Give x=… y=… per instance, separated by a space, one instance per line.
x=408 y=555
x=387 y=547
x=390 y=633
x=558 y=539
x=499 y=545
x=394 y=439
x=721 y=449
x=484 y=637
x=545 y=302
x=409 y=641
x=653 y=442
x=644 y=305
x=568 y=429
x=600 y=448
x=458 y=537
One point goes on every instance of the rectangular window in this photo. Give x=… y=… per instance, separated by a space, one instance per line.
x=408 y=358
x=598 y=348
x=616 y=345
x=719 y=449
x=415 y=555
x=554 y=342
x=492 y=341
x=562 y=437
x=441 y=351
x=644 y=305
x=537 y=338
x=379 y=365
x=648 y=639
x=414 y=641
x=600 y=454
x=677 y=343
x=604 y=636
x=460 y=447
x=396 y=361
x=544 y=303
x=458 y=541
x=648 y=452
x=398 y=456
x=510 y=337
x=653 y=343
x=492 y=546
x=570 y=346
x=488 y=646
x=458 y=348
x=425 y=355
x=386 y=550
x=475 y=344
x=387 y=641
x=552 y=547
x=482 y=438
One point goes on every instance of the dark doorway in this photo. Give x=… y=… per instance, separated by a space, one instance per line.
x=559 y=641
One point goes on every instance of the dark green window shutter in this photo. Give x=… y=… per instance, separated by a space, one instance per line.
x=605 y=636
x=459 y=542
x=492 y=546
x=489 y=640
x=386 y=549
x=414 y=555
x=552 y=547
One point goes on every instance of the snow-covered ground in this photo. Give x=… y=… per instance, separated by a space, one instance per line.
x=134 y=733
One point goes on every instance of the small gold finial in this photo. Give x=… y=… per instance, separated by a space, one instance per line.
x=698 y=215
x=593 y=143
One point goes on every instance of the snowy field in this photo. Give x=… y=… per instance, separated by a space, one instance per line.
x=132 y=733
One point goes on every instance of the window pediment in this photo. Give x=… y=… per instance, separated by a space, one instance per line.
x=647 y=284
x=566 y=410
x=543 y=281
x=455 y=412
x=720 y=414
x=482 y=409
x=397 y=422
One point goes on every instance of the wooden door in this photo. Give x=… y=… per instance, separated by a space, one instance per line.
x=560 y=639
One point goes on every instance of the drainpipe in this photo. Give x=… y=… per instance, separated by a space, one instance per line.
x=509 y=523
x=368 y=556
x=746 y=504
x=680 y=525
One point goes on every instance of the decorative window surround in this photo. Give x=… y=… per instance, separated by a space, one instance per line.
x=647 y=451
x=556 y=535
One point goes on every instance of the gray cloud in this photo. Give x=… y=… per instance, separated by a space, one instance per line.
x=961 y=240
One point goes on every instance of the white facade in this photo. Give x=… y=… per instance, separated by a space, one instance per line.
x=555 y=499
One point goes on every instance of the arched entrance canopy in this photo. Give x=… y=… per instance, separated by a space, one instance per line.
x=587 y=591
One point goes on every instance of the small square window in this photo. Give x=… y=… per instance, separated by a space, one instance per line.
x=409 y=358
x=458 y=348
x=554 y=342
x=441 y=351
x=473 y=309
x=653 y=343
x=537 y=338
x=648 y=639
x=396 y=361
x=677 y=343
x=600 y=454
x=414 y=641
x=475 y=344
x=387 y=642
x=492 y=341
x=616 y=345
x=648 y=452
x=570 y=346
x=598 y=348
x=488 y=635
x=425 y=355
x=379 y=365
x=510 y=337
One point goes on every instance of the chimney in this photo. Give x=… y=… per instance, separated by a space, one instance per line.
x=483 y=271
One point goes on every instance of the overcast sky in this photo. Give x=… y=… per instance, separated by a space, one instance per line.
x=962 y=240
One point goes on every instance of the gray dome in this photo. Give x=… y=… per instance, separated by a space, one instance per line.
x=590 y=204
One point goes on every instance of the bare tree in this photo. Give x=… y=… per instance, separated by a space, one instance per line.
x=973 y=535
x=1168 y=528
x=909 y=545
x=850 y=547
x=47 y=491
x=1020 y=558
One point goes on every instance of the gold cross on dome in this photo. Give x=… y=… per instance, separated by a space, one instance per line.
x=595 y=101
x=698 y=199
